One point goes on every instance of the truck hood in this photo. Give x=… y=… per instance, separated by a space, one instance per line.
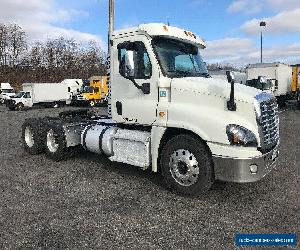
x=216 y=87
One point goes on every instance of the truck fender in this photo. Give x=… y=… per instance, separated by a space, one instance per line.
x=159 y=135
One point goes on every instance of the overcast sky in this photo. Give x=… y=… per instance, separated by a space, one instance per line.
x=231 y=27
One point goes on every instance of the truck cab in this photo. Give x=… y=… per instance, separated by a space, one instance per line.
x=6 y=92
x=20 y=101
x=159 y=79
x=95 y=92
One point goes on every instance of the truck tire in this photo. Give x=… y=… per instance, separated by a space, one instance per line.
x=55 y=142
x=186 y=165
x=33 y=136
x=20 y=106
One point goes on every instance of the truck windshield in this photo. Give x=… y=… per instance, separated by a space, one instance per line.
x=88 y=89
x=6 y=91
x=178 y=59
x=19 y=95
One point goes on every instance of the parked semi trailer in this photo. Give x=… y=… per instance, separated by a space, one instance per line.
x=45 y=94
x=279 y=77
x=168 y=115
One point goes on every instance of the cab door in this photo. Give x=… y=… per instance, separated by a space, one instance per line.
x=134 y=82
x=27 y=100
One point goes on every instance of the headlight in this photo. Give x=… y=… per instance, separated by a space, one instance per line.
x=240 y=136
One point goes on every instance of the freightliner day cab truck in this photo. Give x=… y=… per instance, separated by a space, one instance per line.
x=169 y=116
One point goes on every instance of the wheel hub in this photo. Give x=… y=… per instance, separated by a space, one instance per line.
x=184 y=167
x=51 y=141
x=28 y=136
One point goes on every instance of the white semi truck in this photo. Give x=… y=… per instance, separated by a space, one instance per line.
x=6 y=92
x=46 y=94
x=168 y=115
x=279 y=78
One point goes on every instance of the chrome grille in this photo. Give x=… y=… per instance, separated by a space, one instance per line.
x=269 y=123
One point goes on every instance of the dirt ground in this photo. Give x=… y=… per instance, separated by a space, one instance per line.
x=89 y=202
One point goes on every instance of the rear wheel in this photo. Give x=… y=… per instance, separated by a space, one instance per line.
x=33 y=137
x=55 y=143
x=186 y=165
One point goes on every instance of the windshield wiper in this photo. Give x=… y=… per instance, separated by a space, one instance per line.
x=207 y=75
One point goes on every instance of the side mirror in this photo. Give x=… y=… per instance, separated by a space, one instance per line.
x=129 y=70
x=146 y=88
x=230 y=76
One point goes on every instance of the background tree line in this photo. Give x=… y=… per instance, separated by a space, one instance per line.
x=46 y=61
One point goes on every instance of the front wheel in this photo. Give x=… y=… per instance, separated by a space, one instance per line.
x=93 y=103
x=187 y=165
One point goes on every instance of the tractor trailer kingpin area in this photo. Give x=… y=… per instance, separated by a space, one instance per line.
x=168 y=115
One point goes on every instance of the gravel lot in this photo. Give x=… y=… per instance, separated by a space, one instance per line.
x=89 y=202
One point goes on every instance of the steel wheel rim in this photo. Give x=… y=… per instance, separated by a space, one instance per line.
x=92 y=103
x=28 y=135
x=51 y=141
x=184 y=167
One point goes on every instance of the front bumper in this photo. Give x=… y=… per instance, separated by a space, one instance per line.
x=10 y=103
x=241 y=170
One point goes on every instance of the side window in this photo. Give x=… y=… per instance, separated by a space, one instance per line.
x=27 y=95
x=134 y=61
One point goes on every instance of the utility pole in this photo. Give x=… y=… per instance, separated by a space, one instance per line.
x=261 y=24
x=111 y=27
x=111 y=22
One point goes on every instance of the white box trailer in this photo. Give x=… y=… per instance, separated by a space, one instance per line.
x=74 y=85
x=280 y=74
x=47 y=94
x=240 y=77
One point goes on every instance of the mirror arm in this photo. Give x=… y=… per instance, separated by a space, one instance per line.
x=137 y=85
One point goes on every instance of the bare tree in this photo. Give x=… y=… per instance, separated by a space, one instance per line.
x=3 y=44
x=50 y=61
x=17 y=43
